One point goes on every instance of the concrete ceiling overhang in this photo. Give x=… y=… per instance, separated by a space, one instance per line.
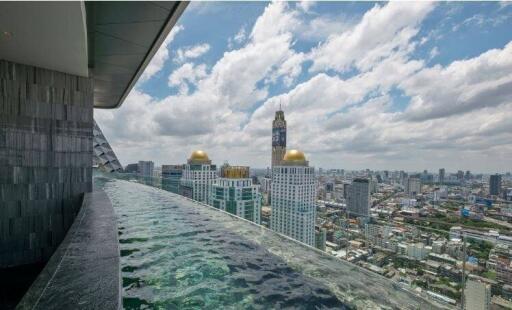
x=49 y=35
x=112 y=42
x=123 y=37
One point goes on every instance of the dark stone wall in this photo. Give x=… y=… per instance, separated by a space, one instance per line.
x=46 y=121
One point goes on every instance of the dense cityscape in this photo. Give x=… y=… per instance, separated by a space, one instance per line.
x=256 y=155
x=433 y=233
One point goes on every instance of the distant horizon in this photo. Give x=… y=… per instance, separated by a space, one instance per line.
x=384 y=86
x=434 y=172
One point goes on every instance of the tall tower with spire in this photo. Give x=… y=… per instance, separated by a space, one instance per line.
x=278 y=138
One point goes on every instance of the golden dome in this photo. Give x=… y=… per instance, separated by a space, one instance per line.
x=294 y=156
x=199 y=156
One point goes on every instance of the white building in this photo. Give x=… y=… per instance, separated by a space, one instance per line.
x=358 y=202
x=417 y=250
x=455 y=233
x=477 y=295
x=235 y=193
x=198 y=176
x=293 y=198
x=265 y=184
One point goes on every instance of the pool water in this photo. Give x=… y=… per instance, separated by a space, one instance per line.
x=177 y=254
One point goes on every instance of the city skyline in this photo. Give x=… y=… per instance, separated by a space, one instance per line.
x=218 y=89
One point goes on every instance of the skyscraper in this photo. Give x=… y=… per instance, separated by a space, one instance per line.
x=495 y=184
x=198 y=176
x=293 y=198
x=441 y=175
x=233 y=191
x=413 y=187
x=278 y=138
x=171 y=177
x=359 y=197
x=146 y=168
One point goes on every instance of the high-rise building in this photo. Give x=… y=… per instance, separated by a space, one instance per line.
x=413 y=187
x=441 y=175
x=320 y=238
x=265 y=184
x=278 y=138
x=171 y=177
x=198 y=176
x=145 y=168
x=233 y=191
x=293 y=198
x=495 y=184
x=131 y=168
x=477 y=295
x=358 y=202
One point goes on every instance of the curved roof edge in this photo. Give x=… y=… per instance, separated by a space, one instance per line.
x=123 y=37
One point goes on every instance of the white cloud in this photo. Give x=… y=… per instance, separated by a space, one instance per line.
x=382 y=30
x=156 y=64
x=434 y=52
x=306 y=5
x=187 y=74
x=191 y=52
x=459 y=116
x=462 y=86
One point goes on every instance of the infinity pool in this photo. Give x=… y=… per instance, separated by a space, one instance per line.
x=179 y=254
x=174 y=256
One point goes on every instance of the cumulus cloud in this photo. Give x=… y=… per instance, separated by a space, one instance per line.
x=462 y=86
x=339 y=119
x=156 y=64
x=191 y=52
x=187 y=74
x=382 y=31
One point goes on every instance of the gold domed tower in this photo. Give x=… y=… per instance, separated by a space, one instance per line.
x=293 y=194
x=198 y=175
x=199 y=157
x=294 y=158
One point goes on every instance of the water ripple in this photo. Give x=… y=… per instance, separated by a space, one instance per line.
x=175 y=257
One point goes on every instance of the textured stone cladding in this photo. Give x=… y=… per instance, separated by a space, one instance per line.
x=46 y=123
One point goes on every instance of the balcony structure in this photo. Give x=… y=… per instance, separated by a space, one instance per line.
x=59 y=61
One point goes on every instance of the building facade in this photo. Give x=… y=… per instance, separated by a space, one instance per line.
x=146 y=168
x=198 y=176
x=104 y=157
x=171 y=177
x=477 y=295
x=495 y=184
x=293 y=198
x=358 y=202
x=278 y=138
x=320 y=238
x=233 y=191
x=413 y=187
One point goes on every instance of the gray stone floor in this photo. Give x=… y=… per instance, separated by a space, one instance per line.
x=84 y=271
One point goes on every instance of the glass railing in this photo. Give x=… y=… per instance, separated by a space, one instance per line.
x=178 y=253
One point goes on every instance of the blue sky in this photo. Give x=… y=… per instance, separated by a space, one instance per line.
x=363 y=85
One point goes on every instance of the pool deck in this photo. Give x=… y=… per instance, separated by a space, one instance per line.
x=84 y=271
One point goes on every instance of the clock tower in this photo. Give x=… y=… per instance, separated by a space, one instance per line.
x=278 y=138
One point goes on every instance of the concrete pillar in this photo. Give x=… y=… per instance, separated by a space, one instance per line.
x=46 y=121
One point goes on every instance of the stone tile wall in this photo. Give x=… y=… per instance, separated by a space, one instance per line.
x=46 y=122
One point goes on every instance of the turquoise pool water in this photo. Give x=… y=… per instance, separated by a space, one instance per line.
x=176 y=254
